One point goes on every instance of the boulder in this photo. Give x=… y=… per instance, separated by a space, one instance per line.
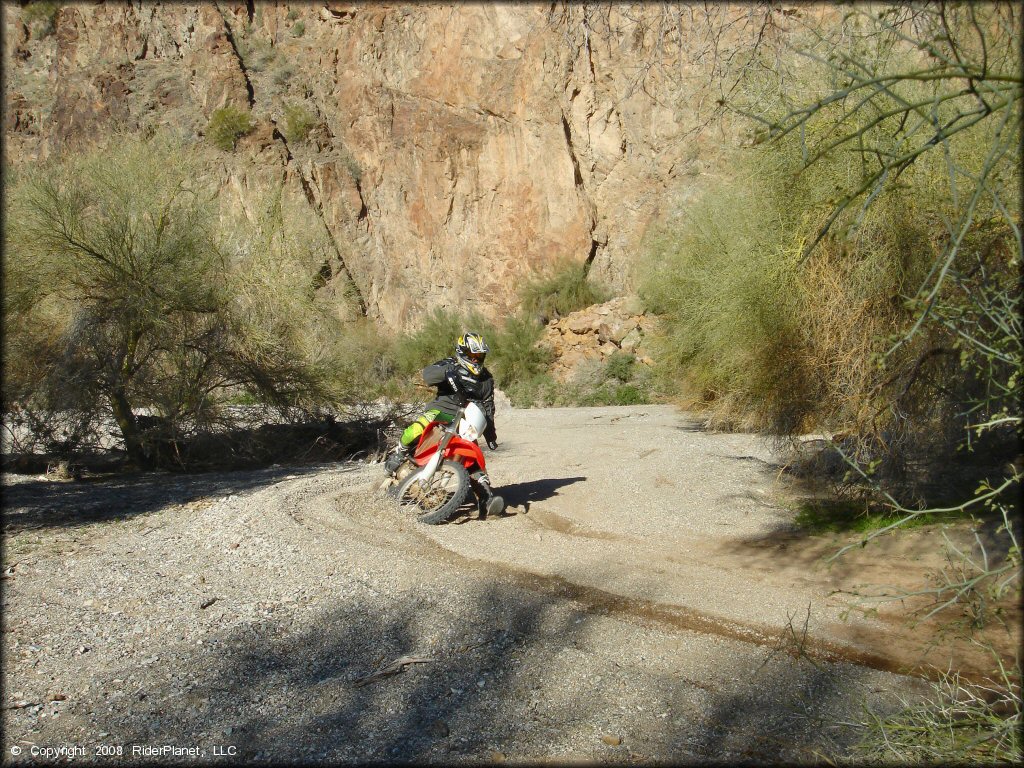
x=590 y=335
x=621 y=330
x=632 y=340
x=579 y=323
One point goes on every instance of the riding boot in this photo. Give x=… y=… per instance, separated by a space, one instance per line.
x=394 y=460
x=495 y=505
x=486 y=501
x=482 y=489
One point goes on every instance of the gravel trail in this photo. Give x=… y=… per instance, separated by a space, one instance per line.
x=645 y=599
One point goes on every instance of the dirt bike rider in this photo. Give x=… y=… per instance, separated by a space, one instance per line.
x=459 y=380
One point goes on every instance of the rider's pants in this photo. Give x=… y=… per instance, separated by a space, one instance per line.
x=413 y=431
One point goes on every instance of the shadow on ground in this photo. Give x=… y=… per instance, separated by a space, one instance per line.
x=893 y=576
x=826 y=511
x=508 y=673
x=518 y=497
x=525 y=494
x=525 y=673
x=38 y=504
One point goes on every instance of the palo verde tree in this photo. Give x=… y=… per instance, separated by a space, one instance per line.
x=112 y=268
x=118 y=298
x=925 y=100
x=860 y=274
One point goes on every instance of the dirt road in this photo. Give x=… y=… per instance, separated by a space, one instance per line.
x=647 y=598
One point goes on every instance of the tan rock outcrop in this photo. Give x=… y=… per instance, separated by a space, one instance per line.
x=594 y=333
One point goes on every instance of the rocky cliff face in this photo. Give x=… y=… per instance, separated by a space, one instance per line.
x=456 y=149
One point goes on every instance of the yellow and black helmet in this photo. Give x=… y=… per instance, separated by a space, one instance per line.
x=470 y=351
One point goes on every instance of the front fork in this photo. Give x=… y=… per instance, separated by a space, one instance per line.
x=434 y=461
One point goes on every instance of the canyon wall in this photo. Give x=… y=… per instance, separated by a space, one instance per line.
x=456 y=150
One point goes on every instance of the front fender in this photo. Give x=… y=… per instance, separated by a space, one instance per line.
x=466 y=453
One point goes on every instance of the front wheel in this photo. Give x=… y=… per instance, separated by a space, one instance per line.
x=433 y=501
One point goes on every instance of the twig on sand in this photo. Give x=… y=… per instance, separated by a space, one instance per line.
x=393 y=668
x=791 y=644
x=20 y=705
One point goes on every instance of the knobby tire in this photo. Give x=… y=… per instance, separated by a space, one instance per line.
x=411 y=496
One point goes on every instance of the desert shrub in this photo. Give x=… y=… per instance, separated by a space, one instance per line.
x=263 y=58
x=298 y=29
x=281 y=326
x=565 y=290
x=630 y=394
x=521 y=365
x=724 y=279
x=435 y=339
x=227 y=125
x=258 y=54
x=367 y=362
x=617 y=380
x=293 y=14
x=351 y=164
x=283 y=74
x=620 y=365
x=519 y=361
x=969 y=722
x=297 y=123
x=535 y=392
x=126 y=297
x=516 y=353
x=40 y=17
x=771 y=337
x=628 y=382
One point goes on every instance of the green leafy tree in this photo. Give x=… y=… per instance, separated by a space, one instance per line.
x=119 y=298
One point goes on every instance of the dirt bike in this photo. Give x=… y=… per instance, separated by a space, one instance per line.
x=445 y=465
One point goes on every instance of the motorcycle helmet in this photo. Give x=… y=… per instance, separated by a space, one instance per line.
x=470 y=351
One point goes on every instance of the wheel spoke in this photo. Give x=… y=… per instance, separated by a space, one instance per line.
x=433 y=501
x=433 y=494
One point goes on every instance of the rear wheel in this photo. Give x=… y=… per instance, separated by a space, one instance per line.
x=435 y=500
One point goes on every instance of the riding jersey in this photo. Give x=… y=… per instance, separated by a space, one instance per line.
x=457 y=387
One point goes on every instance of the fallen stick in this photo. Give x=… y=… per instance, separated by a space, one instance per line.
x=393 y=668
x=20 y=705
